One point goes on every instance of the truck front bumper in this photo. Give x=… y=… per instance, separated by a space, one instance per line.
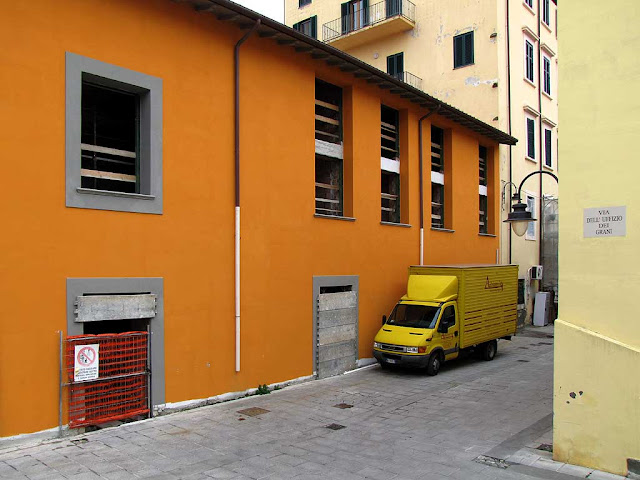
x=419 y=361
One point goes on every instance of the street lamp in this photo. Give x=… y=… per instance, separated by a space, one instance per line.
x=519 y=217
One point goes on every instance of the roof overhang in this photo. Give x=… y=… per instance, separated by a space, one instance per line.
x=244 y=18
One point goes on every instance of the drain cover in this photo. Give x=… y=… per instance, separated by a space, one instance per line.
x=545 y=447
x=343 y=405
x=253 y=411
x=335 y=426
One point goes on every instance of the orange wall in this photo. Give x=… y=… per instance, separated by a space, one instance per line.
x=191 y=244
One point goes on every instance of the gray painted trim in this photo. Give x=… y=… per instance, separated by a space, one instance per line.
x=334 y=217
x=149 y=89
x=487 y=235
x=445 y=230
x=394 y=224
x=332 y=281
x=81 y=286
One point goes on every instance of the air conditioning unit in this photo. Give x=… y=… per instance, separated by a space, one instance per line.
x=535 y=273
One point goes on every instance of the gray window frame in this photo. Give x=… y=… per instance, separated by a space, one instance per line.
x=149 y=91
x=529 y=61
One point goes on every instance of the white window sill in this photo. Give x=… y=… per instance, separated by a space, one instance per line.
x=138 y=196
x=529 y=82
x=487 y=235
x=547 y=95
x=334 y=217
x=531 y=10
x=548 y=27
x=547 y=167
x=530 y=159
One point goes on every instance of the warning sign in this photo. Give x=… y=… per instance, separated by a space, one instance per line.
x=86 y=362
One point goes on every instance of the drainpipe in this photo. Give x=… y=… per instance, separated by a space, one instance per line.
x=236 y=63
x=429 y=113
x=509 y=124
x=540 y=131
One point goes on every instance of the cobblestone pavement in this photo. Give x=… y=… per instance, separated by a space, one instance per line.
x=402 y=425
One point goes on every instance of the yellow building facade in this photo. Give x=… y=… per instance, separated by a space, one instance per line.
x=597 y=336
x=496 y=59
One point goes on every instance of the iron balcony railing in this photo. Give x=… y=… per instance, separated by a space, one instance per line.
x=409 y=78
x=365 y=17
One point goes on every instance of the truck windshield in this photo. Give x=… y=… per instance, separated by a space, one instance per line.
x=415 y=316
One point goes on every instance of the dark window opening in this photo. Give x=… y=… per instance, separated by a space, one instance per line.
x=389 y=133
x=302 y=3
x=547 y=75
x=483 y=214
x=336 y=289
x=328 y=186
x=109 y=137
x=390 y=196
x=328 y=112
x=546 y=15
x=355 y=15
x=395 y=65
x=437 y=187
x=482 y=162
x=116 y=326
x=482 y=200
x=309 y=27
x=521 y=291
x=463 y=50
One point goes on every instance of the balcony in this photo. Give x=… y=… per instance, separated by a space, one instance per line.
x=364 y=25
x=409 y=78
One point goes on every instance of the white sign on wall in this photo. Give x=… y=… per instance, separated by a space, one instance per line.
x=86 y=362
x=605 y=222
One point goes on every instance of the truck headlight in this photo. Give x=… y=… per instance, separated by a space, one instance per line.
x=376 y=345
x=411 y=349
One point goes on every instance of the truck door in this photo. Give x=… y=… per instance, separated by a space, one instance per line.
x=449 y=331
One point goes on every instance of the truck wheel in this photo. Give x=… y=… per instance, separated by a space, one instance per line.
x=434 y=364
x=489 y=351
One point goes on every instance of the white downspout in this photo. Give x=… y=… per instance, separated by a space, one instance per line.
x=237 y=281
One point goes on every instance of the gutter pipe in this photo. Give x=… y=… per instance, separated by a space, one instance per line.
x=540 y=132
x=236 y=62
x=429 y=113
x=509 y=124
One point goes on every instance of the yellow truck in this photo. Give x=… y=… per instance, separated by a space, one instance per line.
x=448 y=310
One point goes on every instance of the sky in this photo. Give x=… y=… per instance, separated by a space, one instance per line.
x=270 y=8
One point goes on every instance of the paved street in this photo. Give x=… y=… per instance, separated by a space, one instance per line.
x=397 y=425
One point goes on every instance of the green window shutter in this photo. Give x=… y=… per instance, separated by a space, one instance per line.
x=314 y=26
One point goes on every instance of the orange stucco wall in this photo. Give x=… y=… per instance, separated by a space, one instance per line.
x=191 y=244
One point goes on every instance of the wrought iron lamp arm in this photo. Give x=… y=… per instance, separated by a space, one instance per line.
x=516 y=196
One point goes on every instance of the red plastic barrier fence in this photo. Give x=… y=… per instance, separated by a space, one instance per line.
x=121 y=387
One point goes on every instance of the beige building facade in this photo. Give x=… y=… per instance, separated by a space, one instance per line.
x=496 y=60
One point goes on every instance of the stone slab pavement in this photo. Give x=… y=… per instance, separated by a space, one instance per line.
x=468 y=422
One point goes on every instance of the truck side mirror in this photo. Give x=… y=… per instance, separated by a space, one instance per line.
x=444 y=326
x=384 y=319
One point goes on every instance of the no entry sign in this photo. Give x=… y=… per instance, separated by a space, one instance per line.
x=86 y=362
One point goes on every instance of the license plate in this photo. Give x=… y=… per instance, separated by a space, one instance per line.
x=391 y=360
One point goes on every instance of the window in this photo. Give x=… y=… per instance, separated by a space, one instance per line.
x=463 y=50
x=113 y=137
x=529 y=61
x=302 y=3
x=531 y=138
x=355 y=15
x=329 y=170
x=531 y=207
x=546 y=14
x=389 y=165
x=309 y=27
x=547 y=148
x=437 y=178
x=546 y=70
x=482 y=190
x=395 y=66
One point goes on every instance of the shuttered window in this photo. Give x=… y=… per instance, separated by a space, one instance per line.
x=547 y=148
x=546 y=75
x=463 y=50
x=528 y=50
x=531 y=138
x=308 y=27
x=437 y=178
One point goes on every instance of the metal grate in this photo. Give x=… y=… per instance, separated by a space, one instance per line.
x=253 y=411
x=121 y=389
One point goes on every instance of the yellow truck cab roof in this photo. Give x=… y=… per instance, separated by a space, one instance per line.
x=432 y=288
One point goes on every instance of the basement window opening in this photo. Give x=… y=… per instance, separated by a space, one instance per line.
x=390 y=165
x=110 y=139
x=336 y=289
